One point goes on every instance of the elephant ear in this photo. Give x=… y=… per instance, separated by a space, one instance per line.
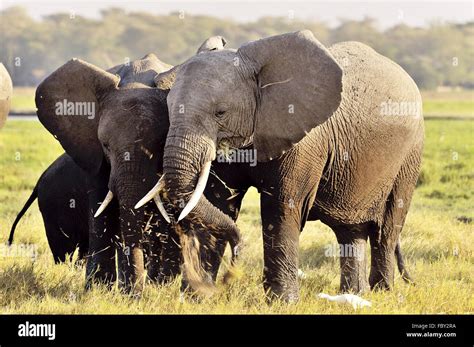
x=165 y=80
x=300 y=87
x=68 y=105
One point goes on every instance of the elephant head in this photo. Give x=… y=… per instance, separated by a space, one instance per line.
x=5 y=94
x=269 y=93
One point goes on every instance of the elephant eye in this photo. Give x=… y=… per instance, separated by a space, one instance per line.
x=219 y=114
x=106 y=146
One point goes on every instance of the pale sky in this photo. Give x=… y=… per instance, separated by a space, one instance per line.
x=387 y=13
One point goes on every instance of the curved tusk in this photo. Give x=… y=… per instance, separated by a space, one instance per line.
x=200 y=186
x=152 y=193
x=107 y=200
x=161 y=208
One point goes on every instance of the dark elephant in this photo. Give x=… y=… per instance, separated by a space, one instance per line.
x=63 y=202
x=113 y=124
x=6 y=89
x=330 y=144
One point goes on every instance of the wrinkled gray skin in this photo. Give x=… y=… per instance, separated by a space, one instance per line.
x=6 y=89
x=121 y=150
x=62 y=198
x=325 y=151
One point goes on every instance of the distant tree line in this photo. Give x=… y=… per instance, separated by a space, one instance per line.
x=438 y=55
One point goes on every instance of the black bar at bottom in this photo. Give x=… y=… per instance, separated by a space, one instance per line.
x=244 y=329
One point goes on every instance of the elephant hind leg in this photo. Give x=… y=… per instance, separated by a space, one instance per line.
x=352 y=240
x=59 y=243
x=384 y=240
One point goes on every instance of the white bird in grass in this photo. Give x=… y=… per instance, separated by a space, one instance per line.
x=354 y=300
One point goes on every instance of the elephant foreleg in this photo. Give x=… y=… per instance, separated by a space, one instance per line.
x=102 y=231
x=281 y=229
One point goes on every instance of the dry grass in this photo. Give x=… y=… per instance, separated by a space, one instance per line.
x=438 y=247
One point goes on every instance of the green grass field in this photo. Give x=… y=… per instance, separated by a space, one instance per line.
x=438 y=243
x=435 y=104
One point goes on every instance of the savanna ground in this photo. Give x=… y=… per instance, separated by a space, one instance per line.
x=437 y=240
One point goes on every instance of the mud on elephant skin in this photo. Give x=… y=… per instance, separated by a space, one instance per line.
x=325 y=148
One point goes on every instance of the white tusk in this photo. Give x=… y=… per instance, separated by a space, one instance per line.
x=161 y=208
x=200 y=186
x=151 y=194
x=107 y=200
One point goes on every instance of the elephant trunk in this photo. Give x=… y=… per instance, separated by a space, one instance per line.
x=132 y=183
x=185 y=157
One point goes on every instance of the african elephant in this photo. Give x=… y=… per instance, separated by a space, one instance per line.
x=6 y=89
x=329 y=146
x=62 y=198
x=113 y=124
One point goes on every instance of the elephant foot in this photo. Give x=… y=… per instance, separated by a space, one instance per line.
x=161 y=278
x=358 y=286
x=101 y=279
x=379 y=281
x=99 y=275
x=279 y=292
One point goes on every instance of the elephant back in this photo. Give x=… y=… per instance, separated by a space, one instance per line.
x=373 y=82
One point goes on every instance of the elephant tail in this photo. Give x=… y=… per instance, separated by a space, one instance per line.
x=401 y=265
x=25 y=208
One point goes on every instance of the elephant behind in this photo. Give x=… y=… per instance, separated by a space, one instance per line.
x=6 y=89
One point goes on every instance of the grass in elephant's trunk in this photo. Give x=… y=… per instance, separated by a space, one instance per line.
x=194 y=273
x=195 y=245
